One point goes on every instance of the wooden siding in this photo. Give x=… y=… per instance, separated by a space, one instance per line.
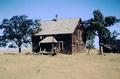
x=65 y=38
x=77 y=40
x=35 y=43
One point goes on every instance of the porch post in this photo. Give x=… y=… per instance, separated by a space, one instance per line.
x=52 y=47
x=40 y=47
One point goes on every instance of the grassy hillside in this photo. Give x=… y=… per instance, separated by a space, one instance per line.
x=79 y=66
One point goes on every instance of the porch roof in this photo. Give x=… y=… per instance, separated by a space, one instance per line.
x=48 y=39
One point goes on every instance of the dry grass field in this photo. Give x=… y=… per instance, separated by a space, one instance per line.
x=79 y=66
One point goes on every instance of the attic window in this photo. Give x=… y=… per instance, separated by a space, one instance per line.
x=40 y=37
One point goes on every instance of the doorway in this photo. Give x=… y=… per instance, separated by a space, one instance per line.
x=61 y=45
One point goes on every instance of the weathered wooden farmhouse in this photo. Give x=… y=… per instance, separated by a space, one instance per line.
x=66 y=35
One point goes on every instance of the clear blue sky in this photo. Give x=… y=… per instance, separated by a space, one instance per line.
x=46 y=9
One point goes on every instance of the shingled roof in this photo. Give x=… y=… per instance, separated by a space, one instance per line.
x=60 y=26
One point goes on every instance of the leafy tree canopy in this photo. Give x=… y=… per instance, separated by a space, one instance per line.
x=97 y=26
x=18 y=30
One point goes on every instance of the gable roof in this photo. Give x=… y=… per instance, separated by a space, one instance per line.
x=61 y=26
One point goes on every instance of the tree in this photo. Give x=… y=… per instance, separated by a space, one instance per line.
x=89 y=45
x=18 y=30
x=2 y=42
x=90 y=35
x=98 y=25
x=113 y=38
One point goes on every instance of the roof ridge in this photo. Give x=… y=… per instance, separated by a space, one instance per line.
x=61 y=19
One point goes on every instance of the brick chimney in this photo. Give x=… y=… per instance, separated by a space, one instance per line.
x=56 y=18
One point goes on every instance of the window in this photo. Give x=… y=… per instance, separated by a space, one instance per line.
x=40 y=37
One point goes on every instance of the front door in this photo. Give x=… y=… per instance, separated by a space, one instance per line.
x=61 y=45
